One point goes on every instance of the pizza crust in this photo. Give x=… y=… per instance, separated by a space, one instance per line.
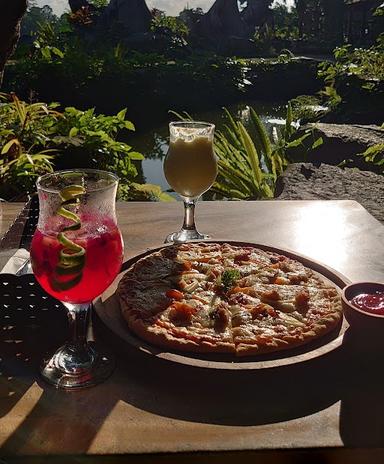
x=159 y=337
x=163 y=298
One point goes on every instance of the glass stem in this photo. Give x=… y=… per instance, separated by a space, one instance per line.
x=78 y=317
x=189 y=214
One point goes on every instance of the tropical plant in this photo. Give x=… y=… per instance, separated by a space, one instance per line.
x=361 y=62
x=379 y=11
x=285 y=22
x=247 y=167
x=25 y=153
x=91 y=140
x=250 y=165
x=108 y=74
x=367 y=65
x=307 y=108
x=47 y=41
x=374 y=157
x=34 y=16
x=172 y=28
x=143 y=192
x=36 y=138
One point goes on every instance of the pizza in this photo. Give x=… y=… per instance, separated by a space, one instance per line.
x=226 y=298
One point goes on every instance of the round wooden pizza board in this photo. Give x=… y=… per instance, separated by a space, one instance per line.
x=107 y=309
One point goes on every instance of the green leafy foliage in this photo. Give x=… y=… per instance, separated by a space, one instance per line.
x=36 y=138
x=229 y=278
x=47 y=41
x=365 y=64
x=372 y=159
x=374 y=155
x=24 y=143
x=92 y=141
x=172 y=28
x=99 y=3
x=307 y=108
x=249 y=165
x=143 y=192
x=35 y=16
x=285 y=22
x=379 y=11
x=106 y=73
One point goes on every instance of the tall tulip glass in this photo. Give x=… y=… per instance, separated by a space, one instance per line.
x=190 y=168
x=76 y=253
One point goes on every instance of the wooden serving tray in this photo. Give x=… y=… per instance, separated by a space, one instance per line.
x=107 y=309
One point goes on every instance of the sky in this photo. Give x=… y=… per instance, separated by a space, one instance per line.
x=171 y=7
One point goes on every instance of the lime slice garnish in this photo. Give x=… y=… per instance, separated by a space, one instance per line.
x=72 y=255
x=68 y=193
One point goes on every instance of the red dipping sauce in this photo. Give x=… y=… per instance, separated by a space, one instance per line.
x=372 y=303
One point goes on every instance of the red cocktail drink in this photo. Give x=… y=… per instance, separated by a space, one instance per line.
x=102 y=262
x=76 y=253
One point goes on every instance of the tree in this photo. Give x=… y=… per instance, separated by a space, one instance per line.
x=10 y=19
x=285 y=22
x=35 y=16
x=190 y=16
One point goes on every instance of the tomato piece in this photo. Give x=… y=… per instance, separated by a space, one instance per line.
x=187 y=265
x=242 y=257
x=271 y=295
x=271 y=312
x=175 y=294
x=184 y=308
x=281 y=281
x=302 y=298
x=246 y=290
x=181 y=313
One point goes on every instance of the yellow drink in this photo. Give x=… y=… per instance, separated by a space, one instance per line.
x=190 y=167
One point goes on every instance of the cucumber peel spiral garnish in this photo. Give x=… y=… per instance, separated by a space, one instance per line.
x=72 y=256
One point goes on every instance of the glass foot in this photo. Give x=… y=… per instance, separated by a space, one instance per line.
x=185 y=235
x=73 y=369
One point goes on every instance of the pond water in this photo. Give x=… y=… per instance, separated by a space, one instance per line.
x=153 y=143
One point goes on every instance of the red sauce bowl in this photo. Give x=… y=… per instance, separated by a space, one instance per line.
x=358 y=318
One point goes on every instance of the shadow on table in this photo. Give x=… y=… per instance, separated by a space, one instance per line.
x=34 y=323
x=231 y=397
x=362 y=404
x=31 y=323
x=241 y=397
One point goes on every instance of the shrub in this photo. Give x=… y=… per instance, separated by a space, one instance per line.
x=250 y=165
x=94 y=71
x=307 y=108
x=36 y=138
x=173 y=29
x=367 y=65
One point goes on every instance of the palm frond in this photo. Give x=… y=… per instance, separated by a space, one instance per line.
x=262 y=141
x=251 y=152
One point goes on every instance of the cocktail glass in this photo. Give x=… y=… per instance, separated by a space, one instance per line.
x=190 y=168
x=76 y=253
